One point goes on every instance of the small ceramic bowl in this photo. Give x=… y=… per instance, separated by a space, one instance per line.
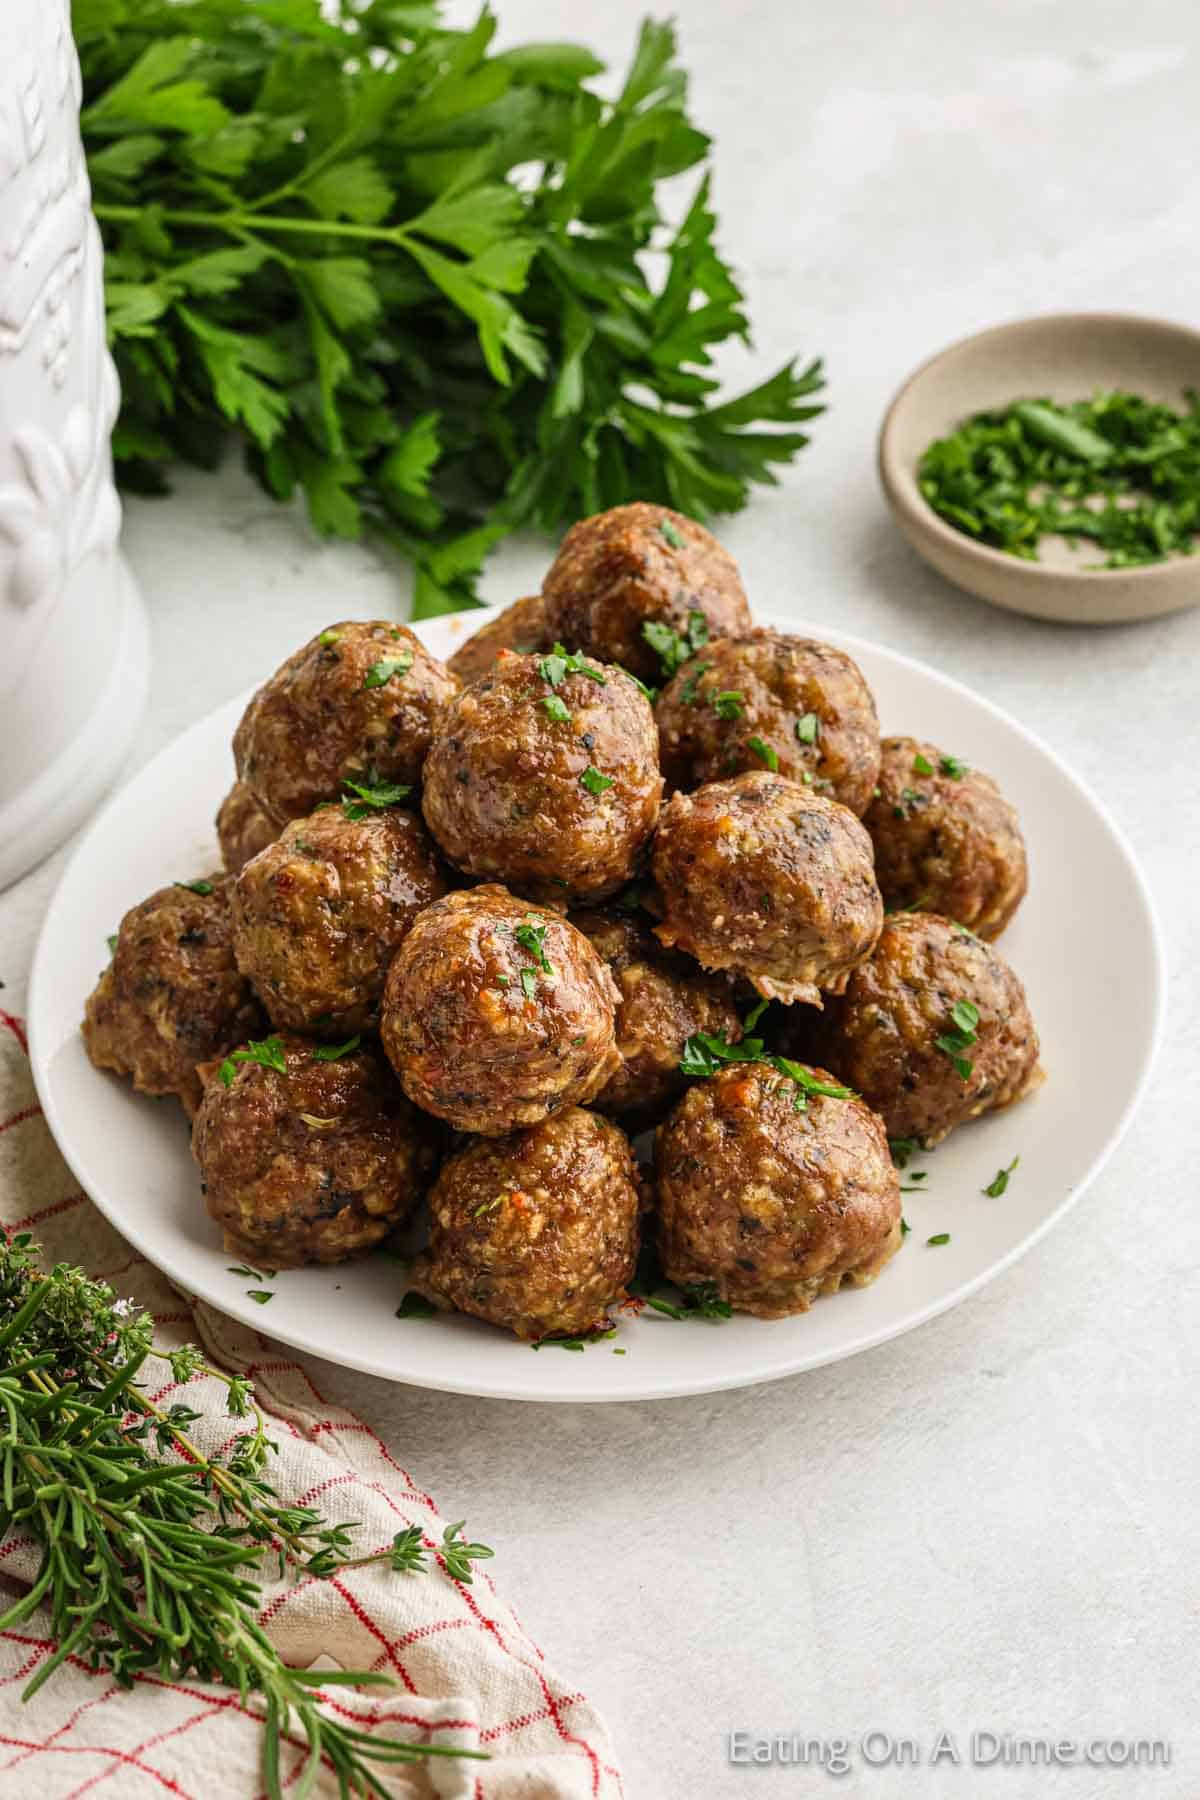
x=1064 y=356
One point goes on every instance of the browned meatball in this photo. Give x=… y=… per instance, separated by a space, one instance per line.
x=742 y=697
x=497 y=1013
x=544 y=775
x=172 y=996
x=538 y=1231
x=772 y=1204
x=665 y=998
x=319 y=914
x=357 y=703
x=520 y=627
x=312 y=1165
x=895 y=1038
x=243 y=828
x=640 y=565
x=946 y=840
x=764 y=877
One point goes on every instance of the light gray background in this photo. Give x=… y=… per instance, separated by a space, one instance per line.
x=992 y=1522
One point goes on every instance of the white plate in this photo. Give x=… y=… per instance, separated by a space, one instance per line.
x=1085 y=943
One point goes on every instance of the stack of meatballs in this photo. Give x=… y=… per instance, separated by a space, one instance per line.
x=474 y=916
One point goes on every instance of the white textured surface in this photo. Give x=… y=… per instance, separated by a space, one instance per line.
x=992 y=1522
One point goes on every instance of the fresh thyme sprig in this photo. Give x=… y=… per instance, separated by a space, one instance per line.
x=148 y=1563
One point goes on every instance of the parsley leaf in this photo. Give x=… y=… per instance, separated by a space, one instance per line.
x=922 y=765
x=999 y=1182
x=529 y=983
x=728 y=704
x=965 y=1017
x=674 y=648
x=532 y=938
x=196 y=887
x=268 y=1053
x=807 y=728
x=764 y=752
x=371 y=799
x=687 y=692
x=557 y=709
x=416 y=1306
x=594 y=781
x=380 y=673
x=562 y=662
x=954 y=768
x=672 y=535
x=335 y=1052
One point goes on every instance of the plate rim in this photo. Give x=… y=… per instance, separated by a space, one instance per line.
x=648 y=1390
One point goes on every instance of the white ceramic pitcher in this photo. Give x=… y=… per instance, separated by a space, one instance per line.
x=74 y=651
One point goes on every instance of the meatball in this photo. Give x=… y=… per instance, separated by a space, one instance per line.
x=768 y=691
x=544 y=775
x=771 y=1203
x=933 y=1029
x=497 y=1013
x=665 y=999
x=356 y=703
x=172 y=996
x=318 y=915
x=640 y=565
x=536 y=1232
x=946 y=840
x=243 y=828
x=520 y=627
x=312 y=1165
x=764 y=877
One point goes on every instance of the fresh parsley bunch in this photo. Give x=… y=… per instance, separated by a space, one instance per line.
x=412 y=274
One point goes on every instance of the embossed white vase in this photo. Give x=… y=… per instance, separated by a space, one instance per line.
x=74 y=648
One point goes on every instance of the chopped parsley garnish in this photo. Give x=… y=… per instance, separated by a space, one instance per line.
x=556 y=709
x=562 y=662
x=699 y=1300
x=368 y=799
x=335 y=1052
x=532 y=937
x=594 y=781
x=999 y=1182
x=579 y=1344
x=415 y=1306
x=922 y=765
x=259 y=1295
x=502 y=981
x=529 y=983
x=268 y=1053
x=196 y=887
x=328 y=637
x=705 y=1053
x=488 y=1206
x=729 y=703
x=905 y=1227
x=673 y=537
x=965 y=1017
x=380 y=673
x=673 y=648
x=903 y=1150
x=649 y=694
x=112 y=942
x=939 y=1237
x=241 y=1269
x=908 y=801
x=764 y=752
x=687 y=692
x=954 y=768
x=807 y=728
x=1117 y=470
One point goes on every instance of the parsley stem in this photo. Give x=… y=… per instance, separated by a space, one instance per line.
x=237 y=223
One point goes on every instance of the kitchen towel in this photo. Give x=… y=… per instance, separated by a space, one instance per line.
x=466 y=1671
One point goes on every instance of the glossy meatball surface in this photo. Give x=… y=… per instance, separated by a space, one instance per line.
x=544 y=775
x=537 y=1231
x=805 y=702
x=520 y=627
x=946 y=840
x=771 y=1204
x=319 y=914
x=882 y=1036
x=634 y=566
x=172 y=996
x=357 y=703
x=497 y=1013
x=761 y=876
x=243 y=828
x=313 y=1165
x=665 y=999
